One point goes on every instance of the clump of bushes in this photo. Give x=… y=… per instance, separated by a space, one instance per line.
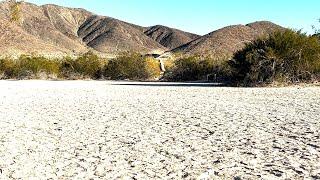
x=27 y=67
x=132 y=66
x=87 y=66
x=198 y=68
x=285 y=56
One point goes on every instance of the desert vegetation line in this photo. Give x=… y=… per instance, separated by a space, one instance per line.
x=285 y=56
x=87 y=66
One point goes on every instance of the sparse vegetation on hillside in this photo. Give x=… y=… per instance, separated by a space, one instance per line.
x=15 y=11
x=284 y=56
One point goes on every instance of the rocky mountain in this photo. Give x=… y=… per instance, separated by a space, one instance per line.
x=169 y=37
x=224 y=42
x=52 y=29
x=15 y=41
x=110 y=35
x=51 y=25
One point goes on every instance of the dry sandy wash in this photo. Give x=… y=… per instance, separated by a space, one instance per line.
x=109 y=130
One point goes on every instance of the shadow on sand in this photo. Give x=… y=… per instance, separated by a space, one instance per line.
x=170 y=84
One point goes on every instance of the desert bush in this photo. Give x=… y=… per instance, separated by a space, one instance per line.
x=87 y=65
x=7 y=68
x=198 y=68
x=152 y=67
x=284 y=56
x=169 y=64
x=132 y=66
x=27 y=67
x=32 y=66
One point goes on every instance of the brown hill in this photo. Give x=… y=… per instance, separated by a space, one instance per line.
x=70 y=31
x=15 y=41
x=107 y=34
x=52 y=29
x=51 y=25
x=224 y=42
x=169 y=37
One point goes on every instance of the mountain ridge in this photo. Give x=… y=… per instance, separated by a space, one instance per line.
x=227 y=40
x=169 y=37
x=54 y=29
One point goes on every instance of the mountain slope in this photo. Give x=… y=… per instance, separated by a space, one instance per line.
x=15 y=41
x=169 y=37
x=49 y=24
x=73 y=30
x=224 y=42
x=53 y=29
x=107 y=34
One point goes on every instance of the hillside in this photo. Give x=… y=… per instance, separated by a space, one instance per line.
x=107 y=34
x=224 y=42
x=15 y=41
x=44 y=26
x=52 y=29
x=169 y=37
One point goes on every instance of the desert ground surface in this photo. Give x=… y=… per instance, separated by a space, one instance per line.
x=121 y=130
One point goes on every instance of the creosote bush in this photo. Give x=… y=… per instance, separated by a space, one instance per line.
x=27 y=67
x=87 y=65
x=198 y=68
x=132 y=66
x=285 y=56
x=7 y=68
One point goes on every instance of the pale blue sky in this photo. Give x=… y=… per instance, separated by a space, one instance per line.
x=202 y=16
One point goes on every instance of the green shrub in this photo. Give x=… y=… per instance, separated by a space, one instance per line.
x=7 y=68
x=87 y=65
x=132 y=66
x=198 y=68
x=28 y=66
x=153 y=68
x=284 y=56
x=33 y=67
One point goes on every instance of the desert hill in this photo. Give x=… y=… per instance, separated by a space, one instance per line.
x=55 y=30
x=52 y=29
x=169 y=37
x=226 y=41
x=110 y=35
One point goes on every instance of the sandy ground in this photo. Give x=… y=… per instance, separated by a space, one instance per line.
x=112 y=130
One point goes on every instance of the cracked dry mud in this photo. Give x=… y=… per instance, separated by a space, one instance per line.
x=104 y=130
